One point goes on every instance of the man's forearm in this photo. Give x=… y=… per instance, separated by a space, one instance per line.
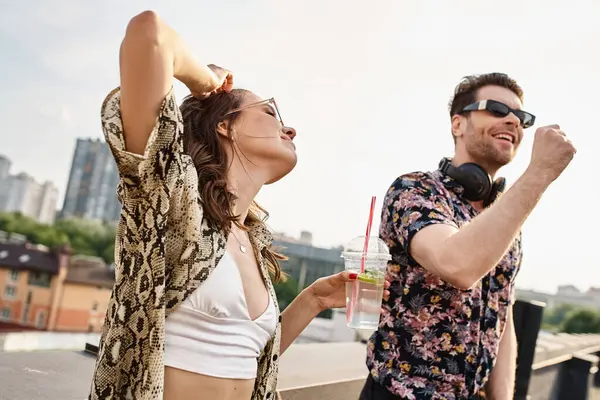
x=501 y=385
x=477 y=247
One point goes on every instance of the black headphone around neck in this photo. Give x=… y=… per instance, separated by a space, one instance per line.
x=475 y=180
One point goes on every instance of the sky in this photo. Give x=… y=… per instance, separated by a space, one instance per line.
x=365 y=84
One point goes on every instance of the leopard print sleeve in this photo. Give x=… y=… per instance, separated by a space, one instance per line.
x=157 y=191
x=162 y=158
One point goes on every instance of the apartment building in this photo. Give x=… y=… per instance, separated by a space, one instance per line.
x=93 y=179
x=49 y=290
x=5 y=165
x=22 y=193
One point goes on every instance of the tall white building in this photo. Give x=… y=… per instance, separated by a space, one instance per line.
x=5 y=164
x=48 y=203
x=21 y=193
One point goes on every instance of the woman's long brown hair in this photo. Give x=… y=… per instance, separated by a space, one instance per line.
x=202 y=143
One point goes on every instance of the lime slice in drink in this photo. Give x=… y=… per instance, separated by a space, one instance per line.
x=367 y=278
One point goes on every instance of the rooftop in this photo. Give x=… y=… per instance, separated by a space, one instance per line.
x=60 y=375
x=304 y=250
x=90 y=271
x=48 y=375
x=307 y=371
x=28 y=257
x=85 y=270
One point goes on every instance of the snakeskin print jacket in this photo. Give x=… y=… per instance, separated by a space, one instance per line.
x=164 y=250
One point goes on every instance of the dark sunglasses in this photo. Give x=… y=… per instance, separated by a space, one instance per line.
x=501 y=110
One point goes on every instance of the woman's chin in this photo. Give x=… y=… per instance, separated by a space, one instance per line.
x=283 y=171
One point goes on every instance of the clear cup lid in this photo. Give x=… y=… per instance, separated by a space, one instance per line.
x=377 y=250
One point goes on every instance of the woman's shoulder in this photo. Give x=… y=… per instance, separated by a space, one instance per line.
x=166 y=135
x=163 y=161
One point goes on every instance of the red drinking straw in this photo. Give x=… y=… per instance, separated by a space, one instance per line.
x=367 y=235
x=362 y=263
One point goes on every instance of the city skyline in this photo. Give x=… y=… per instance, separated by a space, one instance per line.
x=21 y=192
x=90 y=189
x=365 y=87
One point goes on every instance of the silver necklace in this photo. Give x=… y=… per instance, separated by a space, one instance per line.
x=242 y=247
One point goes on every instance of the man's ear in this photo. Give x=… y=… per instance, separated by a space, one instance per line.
x=458 y=125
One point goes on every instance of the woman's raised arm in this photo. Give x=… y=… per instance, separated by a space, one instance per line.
x=151 y=55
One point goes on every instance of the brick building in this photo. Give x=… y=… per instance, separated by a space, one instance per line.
x=52 y=290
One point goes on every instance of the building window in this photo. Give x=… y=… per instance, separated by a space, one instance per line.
x=10 y=292
x=27 y=307
x=14 y=275
x=6 y=311
x=40 y=279
x=95 y=306
x=40 y=321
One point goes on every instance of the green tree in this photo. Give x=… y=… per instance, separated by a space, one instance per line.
x=89 y=237
x=18 y=223
x=582 y=321
x=48 y=236
x=109 y=253
x=286 y=292
x=554 y=317
x=84 y=236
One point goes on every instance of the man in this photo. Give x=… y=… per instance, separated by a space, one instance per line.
x=446 y=331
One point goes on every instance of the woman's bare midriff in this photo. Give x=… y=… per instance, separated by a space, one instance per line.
x=185 y=385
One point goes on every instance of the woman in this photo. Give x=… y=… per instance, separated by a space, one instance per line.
x=193 y=313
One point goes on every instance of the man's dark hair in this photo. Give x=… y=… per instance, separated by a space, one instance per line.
x=465 y=92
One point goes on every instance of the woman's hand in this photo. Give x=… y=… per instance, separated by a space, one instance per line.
x=222 y=82
x=330 y=291
x=325 y=293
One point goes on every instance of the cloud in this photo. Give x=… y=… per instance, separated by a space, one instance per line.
x=60 y=113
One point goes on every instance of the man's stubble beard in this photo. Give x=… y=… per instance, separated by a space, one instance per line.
x=481 y=149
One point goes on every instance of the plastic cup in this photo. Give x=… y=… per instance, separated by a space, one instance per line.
x=363 y=296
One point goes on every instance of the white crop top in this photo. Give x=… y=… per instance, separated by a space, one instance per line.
x=211 y=332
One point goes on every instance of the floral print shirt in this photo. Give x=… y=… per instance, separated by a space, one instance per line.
x=436 y=341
